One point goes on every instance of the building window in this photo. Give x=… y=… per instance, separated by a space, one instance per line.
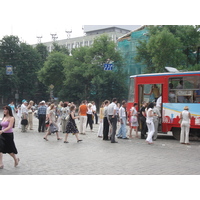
x=86 y=43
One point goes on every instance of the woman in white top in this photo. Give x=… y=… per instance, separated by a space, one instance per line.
x=150 y=124
x=185 y=126
x=90 y=116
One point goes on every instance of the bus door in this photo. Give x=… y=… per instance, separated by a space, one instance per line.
x=148 y=93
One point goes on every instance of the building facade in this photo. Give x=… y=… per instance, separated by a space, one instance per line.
x=91 y=32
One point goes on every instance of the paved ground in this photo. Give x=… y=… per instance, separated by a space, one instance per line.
x=94 y=156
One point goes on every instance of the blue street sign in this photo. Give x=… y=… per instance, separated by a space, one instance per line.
x=108 y=67
x=9 y=70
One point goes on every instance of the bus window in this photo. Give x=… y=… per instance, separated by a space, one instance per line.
x=131 y=94
x=184 y=89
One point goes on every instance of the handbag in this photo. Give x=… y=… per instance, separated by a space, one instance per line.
x=133 y=119
x=67 y=118
x=24 y=122
x=53 y=128
x=2 y=143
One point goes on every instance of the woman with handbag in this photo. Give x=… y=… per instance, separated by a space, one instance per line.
x=64 y=114
x=53 y=127
x=134 y=120
x=7 y=136
x=185 y=117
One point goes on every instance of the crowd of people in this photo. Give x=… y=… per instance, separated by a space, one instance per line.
x=62 y=118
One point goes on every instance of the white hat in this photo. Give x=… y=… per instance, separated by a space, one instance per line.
x=43 y=101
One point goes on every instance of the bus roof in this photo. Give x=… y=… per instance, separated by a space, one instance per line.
x=167 y=74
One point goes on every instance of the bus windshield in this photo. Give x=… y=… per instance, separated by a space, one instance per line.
x=131 y=92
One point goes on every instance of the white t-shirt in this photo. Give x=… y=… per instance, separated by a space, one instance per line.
x=159 y=101
x=111 y=108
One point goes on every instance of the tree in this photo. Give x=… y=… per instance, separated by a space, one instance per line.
x=60 y=48
x=165 y=50
x=42 y=50
x=25 y=62
x=52 y=71
x=85 y=75
x=169 y=45
x=82 y=76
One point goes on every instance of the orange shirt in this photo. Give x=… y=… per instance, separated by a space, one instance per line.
x=83 y=110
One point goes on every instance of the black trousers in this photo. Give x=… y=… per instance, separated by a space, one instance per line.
x=41 y=126
x=113 y=121
x=105 y=128
x=144 y=128
x=96 y=117
x=89 y=121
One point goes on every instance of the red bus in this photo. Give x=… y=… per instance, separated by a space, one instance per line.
x=177 y=89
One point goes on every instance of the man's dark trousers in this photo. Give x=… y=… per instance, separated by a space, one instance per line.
x=41 y=126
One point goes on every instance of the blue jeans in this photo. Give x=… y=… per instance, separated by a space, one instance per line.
x=122 y=130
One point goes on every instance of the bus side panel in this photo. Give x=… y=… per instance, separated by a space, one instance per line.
x=171 y=115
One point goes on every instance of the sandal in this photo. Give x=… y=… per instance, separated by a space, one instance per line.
x=59 y=138
x=79 y=140
x=46 y=139
x=66 y=142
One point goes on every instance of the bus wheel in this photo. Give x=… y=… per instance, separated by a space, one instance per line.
x=176 y=132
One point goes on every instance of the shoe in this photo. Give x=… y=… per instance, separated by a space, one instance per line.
x=1 y=167
x=119 y=137
x=45 y=139
x=125 y=138
x=59 y=138
x=182 y=143
x=66 y=142
x=79 y=140
x=187 y=143
x=114 y=142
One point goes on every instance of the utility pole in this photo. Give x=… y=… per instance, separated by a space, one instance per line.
x=39 y=39
x=54 y=36
x=68 y=33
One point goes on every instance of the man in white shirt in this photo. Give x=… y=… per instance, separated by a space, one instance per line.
x=159 y=103
x=112 y=114
x=24 y=114
x=122 y=117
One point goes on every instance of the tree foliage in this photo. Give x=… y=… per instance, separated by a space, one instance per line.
x=82 y=75
x=25 y=61
x=169 y=45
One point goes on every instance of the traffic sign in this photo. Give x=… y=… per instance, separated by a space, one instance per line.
x=108 y=67
x=9 y=70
